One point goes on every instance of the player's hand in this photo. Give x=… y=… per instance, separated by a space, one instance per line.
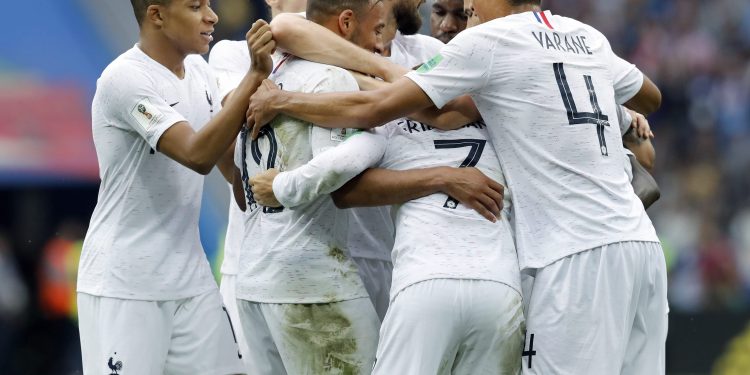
x=261 y=45
x=262 y=187
x=475 y=190
x=261 y=109
x=640 y=125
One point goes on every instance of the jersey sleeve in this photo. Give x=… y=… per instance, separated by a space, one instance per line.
x=627 y=78
x=624 y=118
x=134 y=103
x=461 y=67
x=329 y=170
x=229 y=63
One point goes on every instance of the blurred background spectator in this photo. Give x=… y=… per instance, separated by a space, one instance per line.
x=698 y=52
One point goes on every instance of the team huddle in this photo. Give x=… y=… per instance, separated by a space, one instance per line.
x=399 y=205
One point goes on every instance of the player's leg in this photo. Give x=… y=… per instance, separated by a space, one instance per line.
x=228 y=297
x=325 y=338
x=420 y=333
x=646 y=345
x=580 y=312
x=493 y=330
x=203 y=340
x=263 y=355
x=376 y=275
x=124 y=336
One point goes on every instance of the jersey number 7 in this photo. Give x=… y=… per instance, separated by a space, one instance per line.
x=574 y=117
x=475 y=152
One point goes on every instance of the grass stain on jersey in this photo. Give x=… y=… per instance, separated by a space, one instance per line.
x=322 y=338
x=293 y=137
x=337 y=254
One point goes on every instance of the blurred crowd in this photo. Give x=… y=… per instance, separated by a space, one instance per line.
x=698 y=52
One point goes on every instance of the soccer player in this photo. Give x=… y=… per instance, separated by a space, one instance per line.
x=447 y=19
x=229 y=60
x=301 y=300
x=593 y=271
x=147 y=301
x=371 y=228
x=473 y=264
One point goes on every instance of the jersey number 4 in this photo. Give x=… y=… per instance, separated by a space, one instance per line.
x=476 y=147
x=576 y=118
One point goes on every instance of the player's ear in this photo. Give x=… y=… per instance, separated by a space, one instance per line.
x=154 y=15
x=347 y=23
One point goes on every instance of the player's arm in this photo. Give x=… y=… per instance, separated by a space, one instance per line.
x=633 y=88
x=325 y=173
x=453 y=115
x=201 y=150
x=644 y=185
x=648 y=98
x=381 y=187
x=363 y=109
x=316 y=43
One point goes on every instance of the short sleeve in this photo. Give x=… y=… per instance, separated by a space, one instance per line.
x=462 y=67
x=133 y=102
x=230 y=61
x=627 y=79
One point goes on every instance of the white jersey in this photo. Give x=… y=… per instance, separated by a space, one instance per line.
x=375 y=238
x=436 y=237
x=143 y=240
x=410 y=51
x=297 y=255
x=371 y=230
x=230 y=62
x=233 y=238
x=546 y=94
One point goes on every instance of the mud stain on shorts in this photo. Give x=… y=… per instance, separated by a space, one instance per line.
x=322 y=338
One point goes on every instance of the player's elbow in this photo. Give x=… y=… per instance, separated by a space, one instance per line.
x=203 y=167
x=654 y=101
x=340 y=199
x=647 y=100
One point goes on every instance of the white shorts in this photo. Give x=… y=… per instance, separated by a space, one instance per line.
x=227 y=288
x=310 y=339
x=452 y=326
x=601 y=311
x=179 y=337
x=376 y=275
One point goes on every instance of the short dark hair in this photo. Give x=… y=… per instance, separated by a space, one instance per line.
x=522 y=2
x=318 y=10
x=140 y=6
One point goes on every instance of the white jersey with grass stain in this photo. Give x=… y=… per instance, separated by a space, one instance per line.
x=297 y=255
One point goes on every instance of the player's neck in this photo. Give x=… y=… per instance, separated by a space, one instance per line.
x=525 y=8
x=164 y=53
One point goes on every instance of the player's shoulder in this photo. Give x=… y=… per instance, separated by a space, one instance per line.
x=228 y=52
x=420 y=41
x=322 y=77
x=132 y=67
x=197 y=62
